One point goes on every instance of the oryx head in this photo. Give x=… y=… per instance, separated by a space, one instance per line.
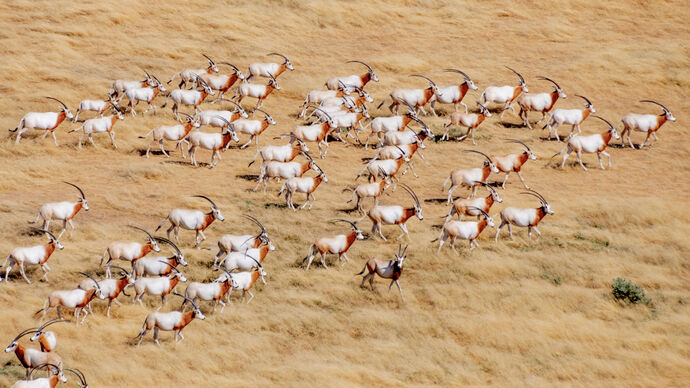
x=667 y=113
x=544 y=205
x=234 y=69
x=179 y=256
x=417 y=204
x=492 y=191
x=273 y=82
x=176 y=272
x=54 y=371
x=400 y=257
x=64 y=108
x=40 y=329
x=192 y=119
x=526 y=148
x=214 y=208
x=588 y=103
x=211 y=64
x=360 y=236
x=520 y=80
x=200 y=82
x=51 y=237
x=151 y=240
x=432 y=85
x=267 y=117
x=488 y=161
x=468 y=80
x=99 y=291
x=263 y=235
x=556 y=87
x=197 y=311
x=483 y=110
x=228 y=129
x=612 y=129
x=287 y=63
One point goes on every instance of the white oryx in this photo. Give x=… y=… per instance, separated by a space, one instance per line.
x=369 y=190
x=222 y=82
x=98 y=106
x=192 y=220
x=468 y=207
x=188 y=97
x=176 y=133
x=253 y=128
x=215 y=142
x=245 y=260
x=464 y=230
x=78 y=299
x=269 y=69
x=31 y=357
x=529 y=217
x=99 y=125
x=120 y=86
x=573 y=117
x=306 y=185
x=129 y=251
x=394 y=215
x=213 y=291
x=260 y=92
x=111 y=287
x=173 y=321
x=513 y=162
x=157 y=286
x=277 y=170
x=239 y=243
x=62 y=211
x=317 y=133
x=469 y=120
x=219 y=118
x=35 y=255
x=317 y=97
x=391 y=269
x=159 y=265
x=46 y=121
x=136 y=95
x=471 y=178
x=453 y=94
x=648 y=124
x=189 y=75
x=504 y=94
x=414 y=98
x=359 y=81
x=590 y=144
x=540 y=102
x=337 y=245
x=284 y=153
x=245 y=281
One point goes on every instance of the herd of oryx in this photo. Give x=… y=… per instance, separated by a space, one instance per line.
x=339 y=110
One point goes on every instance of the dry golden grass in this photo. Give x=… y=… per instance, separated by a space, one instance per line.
x=495 y=316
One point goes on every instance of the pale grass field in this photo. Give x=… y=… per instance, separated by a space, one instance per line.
x=491 y=317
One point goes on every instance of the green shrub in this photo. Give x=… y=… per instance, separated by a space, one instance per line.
x=627 y=291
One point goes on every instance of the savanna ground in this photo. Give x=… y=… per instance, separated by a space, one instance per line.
x=509 y=313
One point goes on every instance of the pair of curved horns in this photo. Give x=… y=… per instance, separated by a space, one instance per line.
x=77 y=187
x=53 y=98
x=425 y=77
x=143 y=230
x=368 y=67
x=584 y=98
x=464 y=75
x=231 y=65
x=535 y=194
x=481 y=210
x=98 y=286
x=412 y=193
x=45 y=231
x=488 y=186
x=39 y=366
x=171 y=266
x=349 y=222
x=401 y=251
x=604 y=120
x=172 y=244
x=519 y=142
x=518 y=74
x=263 y=230
x=481 y=153
x=550 y=80
x=205 y=197
x=209 y=59
x=187 y=299
x=280 y=55
x=654 y=102
x=80 y=375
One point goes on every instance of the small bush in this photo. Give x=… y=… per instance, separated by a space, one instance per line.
x=627 y=291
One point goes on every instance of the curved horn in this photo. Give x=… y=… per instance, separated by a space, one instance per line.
x=231 y=65
x=206 y=198
x=209 y=59
x=518 y=74
x=25 y=332
x=39 y=366
x=56 y=320
x=401 y=150
x=519 y=142
x=343 y=220
x=120 y=268
x=550 y=80
x=404 y=251
x=534 y=193
x=202 y=80
x=138 y=228
x=77 y=187
x=425 y=77
x=172 y=244
x=481 y=210
x=187 y=299
x=80 y=375
x=264 y=112
x=654 y=102
x=324 y=112
x=368 y=67
x=188 y=116
x=91 y=277
x=584 y=98
x=604 y=120
x=257 y=263
x=157 y=80
x=170 y=265
x=411 y=192
x=53 y=98
x=255 y=221
x=230 y=126
x=467 y=77
x=481 y=153
x=45 y=231
x=280 y=55
x=488 y=186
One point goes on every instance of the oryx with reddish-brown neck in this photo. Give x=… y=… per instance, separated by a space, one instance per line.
x=471 y=178
x=35 y=255
x=453 y=94
x=46 y=121
x=215 y=142
x=246 y=260
x=78 y=299
x=176 y=133
x=212 y=291
x=219 y=118
x=158 y=286
x=99 y=125
x=222 y=82
x=120 y=86
x=465 y=230
x=46 y=339
x=317 y=132
x=277 y=170
x=469 y=120
x=590 y=144
x=31 y=357
x=188 y=76
x=195 y=220
x=269 y=69
x=260 y=92
x=416 y=98
x=337 y=245
x=529 y=217
x=147 y=95
x=504 y=94
x=111 y=288
x=62 y=211
x=98 y=106
x=464 y=206
x=192 y=97
x=306 y=185
x=540 y=102
x=129 y=251
x=514 y=162
x=239 y=243
x=648 y=124
x=359 y=81
x=369 y=190
x=394 y=215
x=391 y=269
x=156 y=266
x=253 y=128
x=573 y=117
x=284 y=153
x=173 y=321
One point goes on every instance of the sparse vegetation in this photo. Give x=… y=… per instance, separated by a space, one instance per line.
x=627 y=291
